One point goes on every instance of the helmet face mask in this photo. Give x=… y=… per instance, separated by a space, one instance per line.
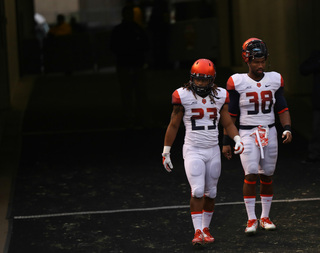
x=254 y=48
x=202 y=69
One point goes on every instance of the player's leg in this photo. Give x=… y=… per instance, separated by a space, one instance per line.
x=213 y=172
x=250 y=163
x=195 y=171
x=268 y=165
x=249 y=196
x=266 y=195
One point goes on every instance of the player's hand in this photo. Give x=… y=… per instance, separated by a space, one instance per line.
x=226 y=151
x=238 y=148
x=287 y=136
x=166 y=161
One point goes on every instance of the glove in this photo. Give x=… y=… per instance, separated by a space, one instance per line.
x=238 y=148
x=284 y=134
x=166 y=161
x=287 y=136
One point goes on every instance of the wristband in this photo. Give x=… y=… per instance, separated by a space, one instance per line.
x=226 y=140
x=166 y=149
x=287 y=128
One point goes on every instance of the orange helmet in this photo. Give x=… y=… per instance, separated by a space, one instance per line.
x=254 y=48
x=203 y=68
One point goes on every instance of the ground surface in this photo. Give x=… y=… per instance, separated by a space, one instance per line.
x=87 y=184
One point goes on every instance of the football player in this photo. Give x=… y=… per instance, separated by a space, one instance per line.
x=201 y=105
x=255 y=97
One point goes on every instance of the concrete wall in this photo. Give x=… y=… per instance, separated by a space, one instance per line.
x=289 y=27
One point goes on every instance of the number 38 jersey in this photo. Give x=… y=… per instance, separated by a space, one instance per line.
x=256 y=101
x=201 y=116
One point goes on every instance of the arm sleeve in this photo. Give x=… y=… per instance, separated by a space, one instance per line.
x=234 y=103
x=281 y=103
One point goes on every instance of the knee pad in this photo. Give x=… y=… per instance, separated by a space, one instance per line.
x=198 y=192
x=212 y=193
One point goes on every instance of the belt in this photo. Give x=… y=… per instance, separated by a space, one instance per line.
x=248 y=127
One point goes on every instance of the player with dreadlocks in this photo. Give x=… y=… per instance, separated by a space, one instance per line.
x=208 y=90
x=201 y=105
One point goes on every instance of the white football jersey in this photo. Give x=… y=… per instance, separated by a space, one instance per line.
x=256 y=99
x=201 y=116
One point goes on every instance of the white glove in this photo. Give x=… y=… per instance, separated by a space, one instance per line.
x=285 y=133
x=238 y=148
x=166 y=161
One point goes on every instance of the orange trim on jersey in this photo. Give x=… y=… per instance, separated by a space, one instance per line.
x=283 y=110
x=230 y=84
x=233 y=115
x=227 y=99
x=176 y=98
x=282 y=82
x=196 y=213
x=266 y=195
x=250 y=182
x=262 y=182
x=249 y=197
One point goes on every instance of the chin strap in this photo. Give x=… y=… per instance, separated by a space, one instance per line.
x=202 y=91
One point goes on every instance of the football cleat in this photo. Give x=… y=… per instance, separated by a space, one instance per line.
x=252 y=226
x=267 y=224
x=208 y=238
x=198 y=238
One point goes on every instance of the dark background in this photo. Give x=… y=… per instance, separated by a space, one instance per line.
x=68 y=158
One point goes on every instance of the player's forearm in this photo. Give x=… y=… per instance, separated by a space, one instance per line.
x=285 y=119
x=230 y=125
x=231 y=131
x=170 y=135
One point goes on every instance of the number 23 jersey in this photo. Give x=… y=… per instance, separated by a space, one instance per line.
x=256 y=101
x=201 y=116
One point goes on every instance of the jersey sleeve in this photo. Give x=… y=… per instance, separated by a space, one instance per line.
x=176 y=98
x=281 y=81
x=234 y=108
x=230 y=84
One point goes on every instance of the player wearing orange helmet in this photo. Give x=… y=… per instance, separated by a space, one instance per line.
x=201 y=105
x=255 y=97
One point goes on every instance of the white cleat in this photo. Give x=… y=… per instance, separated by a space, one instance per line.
x=252 y=226
x=267 y=224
